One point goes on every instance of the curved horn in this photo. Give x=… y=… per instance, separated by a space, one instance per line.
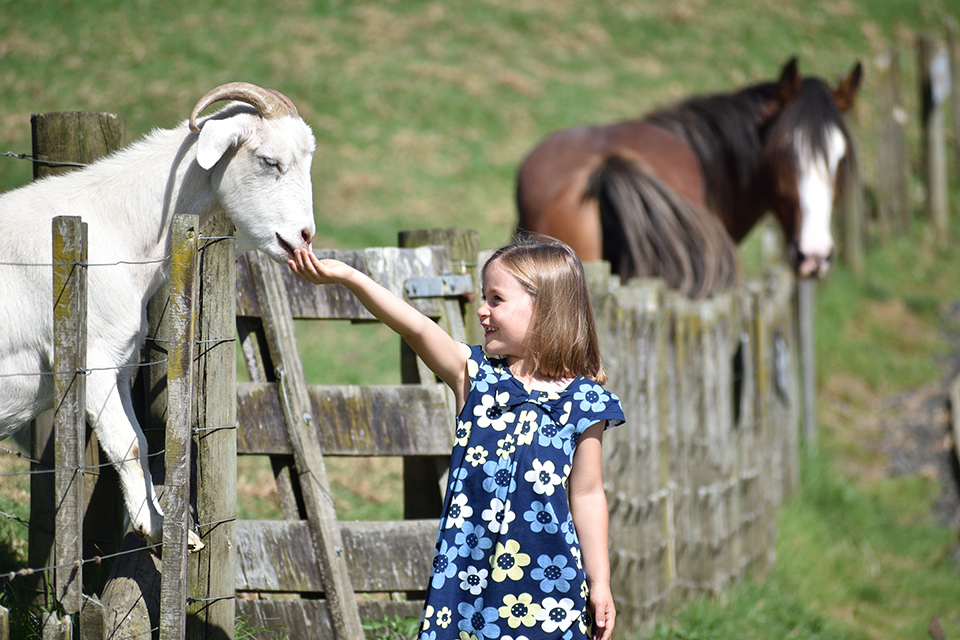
x=269 y=103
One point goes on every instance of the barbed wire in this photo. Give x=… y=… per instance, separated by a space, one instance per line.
x=28 y=571
x=81 y=468
x=23 y=156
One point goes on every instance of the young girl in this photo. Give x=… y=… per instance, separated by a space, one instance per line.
x=522 y=548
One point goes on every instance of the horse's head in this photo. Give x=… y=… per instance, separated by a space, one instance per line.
x=807 y=153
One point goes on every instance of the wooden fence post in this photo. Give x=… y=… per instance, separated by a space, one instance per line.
x=934 y=84
x=76 y=138
x=806 y=309
x=893 y=201
x=70 y=414
x=212 y=576
x=953 y=53
x=423 y=476
x=183 y=267
x=851 y=208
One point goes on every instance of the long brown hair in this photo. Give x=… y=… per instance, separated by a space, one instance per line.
x=563 y=336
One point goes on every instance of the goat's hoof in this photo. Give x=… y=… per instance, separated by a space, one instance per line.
x=194 y=543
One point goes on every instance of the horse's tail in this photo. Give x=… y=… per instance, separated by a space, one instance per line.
x=651 y=231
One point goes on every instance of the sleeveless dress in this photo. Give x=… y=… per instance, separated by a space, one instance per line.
x=507 y=563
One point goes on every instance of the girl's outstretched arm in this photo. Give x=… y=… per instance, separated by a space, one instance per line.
x=588 y=506
x=445 y=356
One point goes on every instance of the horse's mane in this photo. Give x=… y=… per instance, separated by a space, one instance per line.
x=725 y=132
x=809 y=116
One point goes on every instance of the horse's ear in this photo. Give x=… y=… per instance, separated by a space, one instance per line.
x=846 y=91
x=789 y=83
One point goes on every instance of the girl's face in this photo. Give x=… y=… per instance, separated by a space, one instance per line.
x=506 y=313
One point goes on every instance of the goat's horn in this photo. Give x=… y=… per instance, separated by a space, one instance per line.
x=268 y=102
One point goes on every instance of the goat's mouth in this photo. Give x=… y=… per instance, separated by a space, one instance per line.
x=285 y=246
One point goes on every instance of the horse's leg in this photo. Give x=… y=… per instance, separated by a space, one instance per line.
x=110 y=412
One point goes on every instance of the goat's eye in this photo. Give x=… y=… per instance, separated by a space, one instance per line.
x=271 y=163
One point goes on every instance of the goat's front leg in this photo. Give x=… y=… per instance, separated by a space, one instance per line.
x=110 y=411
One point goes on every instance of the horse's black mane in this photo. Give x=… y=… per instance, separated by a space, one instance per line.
x=728 y=131
x=724 y=130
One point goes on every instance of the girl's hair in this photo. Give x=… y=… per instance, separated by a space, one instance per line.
x=563 y=336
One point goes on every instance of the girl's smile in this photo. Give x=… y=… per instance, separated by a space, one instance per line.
x=506 y=314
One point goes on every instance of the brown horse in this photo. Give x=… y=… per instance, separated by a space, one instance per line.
x=671 y=194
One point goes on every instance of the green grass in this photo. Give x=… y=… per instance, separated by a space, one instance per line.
x=852 y=564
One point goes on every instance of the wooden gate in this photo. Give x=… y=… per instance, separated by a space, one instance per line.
x=312 y=574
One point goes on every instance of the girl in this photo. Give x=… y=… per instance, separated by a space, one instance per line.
x=522 y=548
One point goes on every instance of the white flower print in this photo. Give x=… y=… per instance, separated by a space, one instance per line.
x=473 y=580
x=526 y=427
x=427 y=614
x=498 y=516
x=544 y=477
x=506 y=446
x=492 y=412
x=567 y=407
x=462 y=433
x=458 y=512
x=557 y=614
x=476 y=456
x=444 y=617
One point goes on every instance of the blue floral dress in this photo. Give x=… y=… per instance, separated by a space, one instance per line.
x=508 y=562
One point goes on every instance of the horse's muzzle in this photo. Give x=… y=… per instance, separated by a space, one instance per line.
x=809 y=266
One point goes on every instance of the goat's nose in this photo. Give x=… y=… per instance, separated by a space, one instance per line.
x=306 y=236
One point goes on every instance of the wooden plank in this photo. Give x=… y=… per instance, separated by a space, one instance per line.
x=391 y=420
x=311 y=618
x=308 y=456
x=211 y=572
x=70 y=417
x=175 y=500
x=277 y=555
x=389 y=266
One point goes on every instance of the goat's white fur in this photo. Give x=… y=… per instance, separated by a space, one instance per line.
x=256 y=169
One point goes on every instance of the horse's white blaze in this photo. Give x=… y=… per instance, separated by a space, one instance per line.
x=817 y=177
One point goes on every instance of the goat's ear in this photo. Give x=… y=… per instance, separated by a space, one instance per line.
x=216 y=137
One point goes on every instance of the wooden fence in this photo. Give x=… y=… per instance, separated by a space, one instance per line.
x=694 y=480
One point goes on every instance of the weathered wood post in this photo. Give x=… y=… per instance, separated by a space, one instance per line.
x=176 y=496
x=70 y=414
x=851 y=209
x=934 y=74
x=806 y=339
x=212 y=572
x=63 y=141
x=893 y=202
x=953 y=53
x=423 y=476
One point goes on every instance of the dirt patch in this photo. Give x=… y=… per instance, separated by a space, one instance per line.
x=904 y=434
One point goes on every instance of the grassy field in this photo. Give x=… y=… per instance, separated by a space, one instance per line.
x=422 y=112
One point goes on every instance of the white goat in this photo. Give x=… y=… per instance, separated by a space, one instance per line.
x=251 y=159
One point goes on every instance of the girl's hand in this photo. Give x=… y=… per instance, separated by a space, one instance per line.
x=307 y=266
x=604 y=613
